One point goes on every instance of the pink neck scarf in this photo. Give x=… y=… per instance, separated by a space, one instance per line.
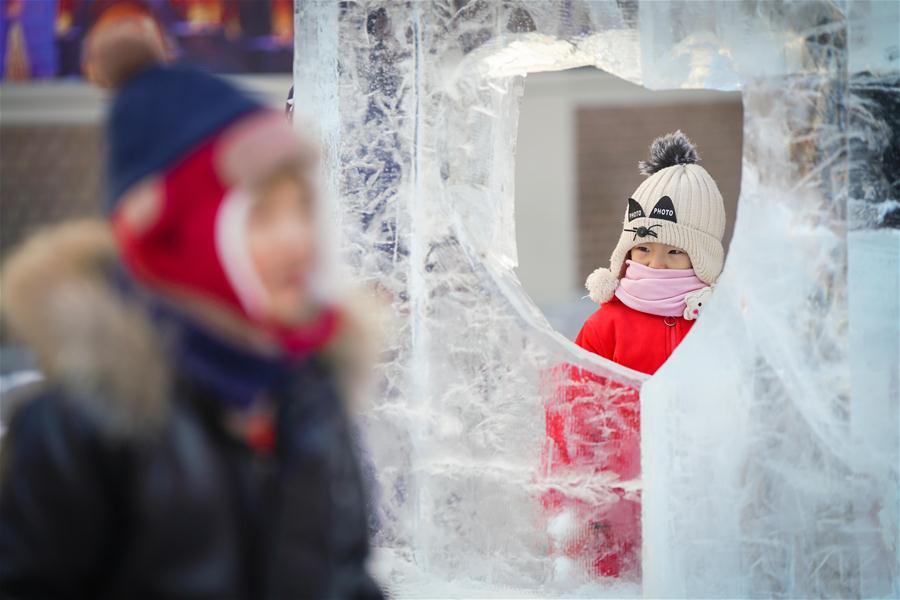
x=657 y=291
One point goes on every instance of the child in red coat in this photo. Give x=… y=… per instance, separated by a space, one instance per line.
x=661 y=274
x=668 y=257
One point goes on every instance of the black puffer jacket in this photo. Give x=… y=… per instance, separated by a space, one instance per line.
x=151 y=497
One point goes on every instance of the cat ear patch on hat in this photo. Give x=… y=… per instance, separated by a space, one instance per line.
x=634 y=210
x=664 y=209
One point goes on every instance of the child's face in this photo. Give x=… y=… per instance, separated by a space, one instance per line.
x=661 y=256
x=282 y=239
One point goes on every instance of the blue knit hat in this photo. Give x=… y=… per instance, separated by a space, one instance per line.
x=160 y=115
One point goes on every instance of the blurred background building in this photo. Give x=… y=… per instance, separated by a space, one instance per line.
x=581 y=132
x=42 y=39
x=50 y=119
x=51 y=137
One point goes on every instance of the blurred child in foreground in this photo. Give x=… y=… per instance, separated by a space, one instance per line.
x=191 y=438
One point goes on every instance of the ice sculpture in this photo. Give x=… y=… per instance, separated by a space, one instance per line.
x=770 y=440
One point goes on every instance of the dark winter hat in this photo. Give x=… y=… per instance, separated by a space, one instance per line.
x=161 y=114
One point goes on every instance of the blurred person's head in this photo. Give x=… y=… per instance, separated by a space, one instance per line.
x=282 y=242
x=213 y=205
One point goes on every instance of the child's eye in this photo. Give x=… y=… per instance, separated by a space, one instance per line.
x=676 y=252
x=642 y=249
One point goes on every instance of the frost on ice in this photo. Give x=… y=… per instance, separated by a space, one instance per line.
x=769 y=441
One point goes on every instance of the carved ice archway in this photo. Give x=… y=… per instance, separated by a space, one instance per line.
x=748 y=438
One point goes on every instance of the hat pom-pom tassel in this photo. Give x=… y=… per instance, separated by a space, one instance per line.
x=601 y=285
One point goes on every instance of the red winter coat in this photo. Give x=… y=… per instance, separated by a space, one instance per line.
x=593 y=427
x=631 y=338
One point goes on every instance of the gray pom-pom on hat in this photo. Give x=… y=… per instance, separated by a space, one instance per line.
x=669 y=150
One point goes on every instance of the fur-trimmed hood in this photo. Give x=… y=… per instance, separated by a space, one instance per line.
x=102 y=348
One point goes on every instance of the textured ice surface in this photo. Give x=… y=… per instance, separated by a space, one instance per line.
x=764 y=475
x=769 y=444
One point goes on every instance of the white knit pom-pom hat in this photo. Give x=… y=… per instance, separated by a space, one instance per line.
x=678 y=204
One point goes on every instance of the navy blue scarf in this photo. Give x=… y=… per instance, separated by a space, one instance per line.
x=236 y=376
